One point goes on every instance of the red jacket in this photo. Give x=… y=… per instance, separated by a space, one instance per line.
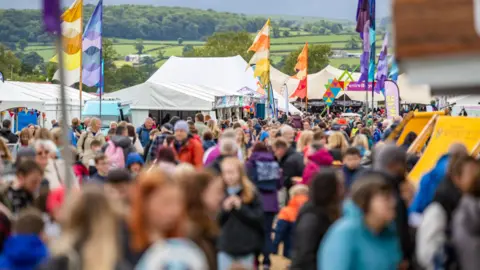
x=80 y=171
x=191 y=152
x=320 y=158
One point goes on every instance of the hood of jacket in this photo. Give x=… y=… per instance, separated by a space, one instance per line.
x=322 y=158
x=262 y=156
x=5 y=132
x=24 y=251
x=121 y=141
x=469 y=209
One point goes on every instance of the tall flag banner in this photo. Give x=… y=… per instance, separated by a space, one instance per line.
x=92 y=49
x=51 y=16
x=382 y=68
x=373 y=38
x=332 y=89
x=302 y=73
x=392 y=99
x=365 y=56
x=72 y=43
x=260 y=60
x=100 y=89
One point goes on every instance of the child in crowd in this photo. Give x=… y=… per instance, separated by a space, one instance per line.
x=208 y=140
x=241 y=218
x=96 y=147
x=118 y=187
x=101 y=165
x=20 y=194
x=25 y=249
x=134 y=163
x=287 y=218
x=351 y=165
x=81 y=172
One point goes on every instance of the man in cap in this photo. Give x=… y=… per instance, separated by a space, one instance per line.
x=187 y=149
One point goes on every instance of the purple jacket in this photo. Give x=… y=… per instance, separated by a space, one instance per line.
x=269 y=199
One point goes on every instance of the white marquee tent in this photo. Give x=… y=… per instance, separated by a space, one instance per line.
x=192 y=84
x=316 y=86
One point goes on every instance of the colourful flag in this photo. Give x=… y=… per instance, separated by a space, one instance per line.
x=92 y=49
x=393 y=75
x=382 y=68
x=72 y=43
x=51 y=16
x=365 y=56
x=373 y=38
x=261 y=47
x=302 y=73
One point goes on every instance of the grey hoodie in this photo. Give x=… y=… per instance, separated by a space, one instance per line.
x=466 y=233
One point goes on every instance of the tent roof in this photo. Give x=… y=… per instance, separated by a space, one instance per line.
x=201 y=78
x=11 y=96
x=50 y=93
x=408 y=93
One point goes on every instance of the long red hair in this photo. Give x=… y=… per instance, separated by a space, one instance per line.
x=147 y=183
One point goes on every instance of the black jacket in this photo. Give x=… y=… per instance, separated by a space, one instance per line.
x=242 y=230
x=8 y=135
x=310 y=228
x=292 y=165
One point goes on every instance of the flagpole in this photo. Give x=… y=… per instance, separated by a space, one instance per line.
x=102 y=63
x=80 y=85
x=306 y=82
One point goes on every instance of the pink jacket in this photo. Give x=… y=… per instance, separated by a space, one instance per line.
x=321 y=158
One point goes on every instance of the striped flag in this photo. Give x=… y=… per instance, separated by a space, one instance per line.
x=72 y=43
x=382 y=68
x=92 y=49
x=51 y=16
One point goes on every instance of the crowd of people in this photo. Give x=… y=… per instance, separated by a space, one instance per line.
x=324 y=192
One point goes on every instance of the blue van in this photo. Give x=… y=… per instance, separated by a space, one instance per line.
x=111 y=111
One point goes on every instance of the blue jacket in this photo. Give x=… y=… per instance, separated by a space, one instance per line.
x=428 y=185
x=377 y=135
x=350 y=245
x=143 y=134
x=23 y=252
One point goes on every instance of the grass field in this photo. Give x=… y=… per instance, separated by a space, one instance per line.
x=336 y=62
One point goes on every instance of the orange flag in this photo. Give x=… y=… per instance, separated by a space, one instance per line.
x=302 y=70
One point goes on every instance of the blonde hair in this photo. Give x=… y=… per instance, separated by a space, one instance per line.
x=57 y=135
x=360 y=140
x=298 y=189
x=337 y=141
x=306 y=138
x=43 y=134
x=4 y=151
x=212 y=125
x=248 y=189
x=25 y=133
x=183 y=170
x=88 y=218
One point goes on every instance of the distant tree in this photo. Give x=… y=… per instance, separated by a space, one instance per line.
x=180 y=41
x=44 y=38
x=318 y=58
x=336 y=29
x=276 y=32
x=30 y=61
x=22 y=44
x=129 y=76
x=160 y=54
x=188 y=50
x=114 y=40
x=139 y=46
x=353 y=43
x=50 y=69
x=286 y=33
x=109 y=53
x=9 y=63
x=226 y=44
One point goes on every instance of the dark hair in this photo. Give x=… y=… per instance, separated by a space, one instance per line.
x=95 y=142
x=322 y=125
x=27 y=167
x=99 y=158
x=112 y=131
x=456 y=163
x=190 y=123
x=280 y=143
x=131 y=130
x=367 y=186
x=319 y=135
x=170 y=139
x=200 y=117
x=260 y=147
x=352 y=151
x=207 y=136
x=6 y=123
x=237 y=125
x=119 y=176
x=410 y=138
x=324 y=193
x=120 y=130
x=166 y=154
x=29 y=221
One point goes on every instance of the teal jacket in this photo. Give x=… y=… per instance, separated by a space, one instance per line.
x=350 y=245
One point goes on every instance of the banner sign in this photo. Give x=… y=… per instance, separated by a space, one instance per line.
x=360 y=86
x=392 y=99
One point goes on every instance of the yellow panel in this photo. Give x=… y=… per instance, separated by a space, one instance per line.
x=448 y=130
x=416 y=124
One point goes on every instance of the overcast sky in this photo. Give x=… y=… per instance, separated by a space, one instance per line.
x=334 y=9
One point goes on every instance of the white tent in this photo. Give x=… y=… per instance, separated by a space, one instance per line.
x=316 y=86
x=192 y=84
x=11 y=96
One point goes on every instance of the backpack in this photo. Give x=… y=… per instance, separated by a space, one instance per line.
x=267 y=174
x=445 y=258
x=115 y=156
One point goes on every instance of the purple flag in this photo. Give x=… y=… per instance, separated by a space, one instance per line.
x=382 y=68
x=365 y=57
x=51 y=16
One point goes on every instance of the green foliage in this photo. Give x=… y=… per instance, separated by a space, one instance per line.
x=353 y=43
x=286 y=33
x=276 y=31
x=160 y=55
x=188 y=51
x=226 y=44
x=180 y=41
x=317 y=58
x=139 y=46
x=22 y=44
x=29 y=61
x=9 y=62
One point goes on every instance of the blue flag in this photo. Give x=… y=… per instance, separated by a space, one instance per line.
x=92 y=49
